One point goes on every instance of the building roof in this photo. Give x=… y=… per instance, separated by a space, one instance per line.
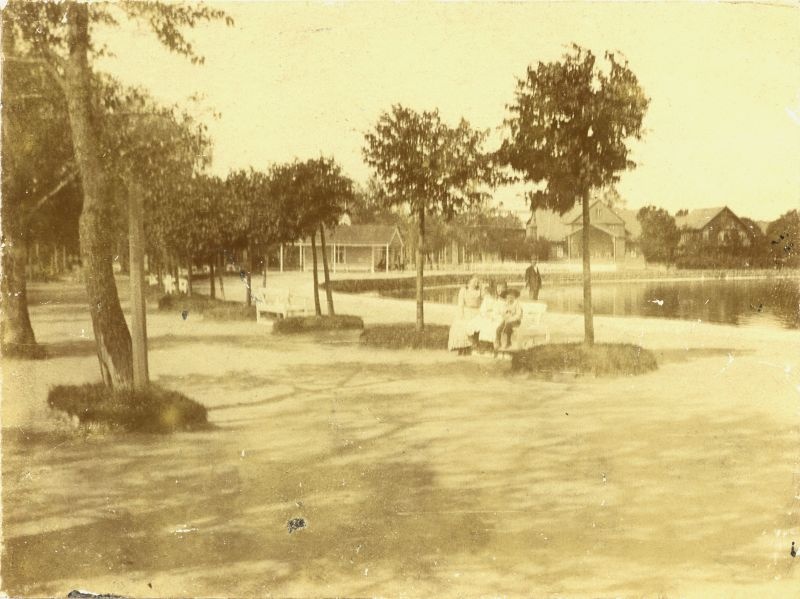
x=698 y=218
x=363 y=235
x=553 y=227
x=549 y=225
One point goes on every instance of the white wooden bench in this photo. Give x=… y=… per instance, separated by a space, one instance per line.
x=169 y=284
x=281 y=305
x=531 y=328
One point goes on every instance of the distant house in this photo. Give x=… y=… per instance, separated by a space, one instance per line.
x=358 y=248
x=549 y=226
x=719 y=226
x=613 y=234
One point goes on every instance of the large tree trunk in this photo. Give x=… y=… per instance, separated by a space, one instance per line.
x=16 y=332
x=420 y=270
x=328 y=290
x=588 y=320
x=213 y=288
x=317 y=307
x=96 y=226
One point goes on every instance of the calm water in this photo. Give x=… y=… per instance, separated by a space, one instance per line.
x=773 y=302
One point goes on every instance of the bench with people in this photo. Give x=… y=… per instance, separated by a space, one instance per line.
x=491 y=319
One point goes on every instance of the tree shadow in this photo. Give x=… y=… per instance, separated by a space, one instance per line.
x=386 y=515
x=77 y=348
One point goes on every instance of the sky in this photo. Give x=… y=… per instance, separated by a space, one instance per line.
x=296 y=80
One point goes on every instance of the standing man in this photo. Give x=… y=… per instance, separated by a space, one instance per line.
x=533 y=280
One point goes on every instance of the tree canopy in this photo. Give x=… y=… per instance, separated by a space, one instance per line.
x=784 y=239
x=569 y=126
x=432 y=168
x=423 y=162
x=660 y=234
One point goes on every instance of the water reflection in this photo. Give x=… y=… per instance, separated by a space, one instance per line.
x=772 y=302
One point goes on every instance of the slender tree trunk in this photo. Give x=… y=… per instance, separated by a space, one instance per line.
x=138 y=309
x=588 y=320
x=317 y=307
x=213 y=288
x=326 y=274
x=96 y=229
x=16 y=332
x=266 y=263
x=420 y=270
x=189 y=280
x=249 y=277
x=221 y=274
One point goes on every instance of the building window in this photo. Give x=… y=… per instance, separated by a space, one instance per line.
x=340 y=257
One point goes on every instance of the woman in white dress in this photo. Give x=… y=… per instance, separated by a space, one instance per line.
x=491 y=317
x=461 y=331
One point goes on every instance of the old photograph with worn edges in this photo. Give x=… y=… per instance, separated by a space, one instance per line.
x=419 y=300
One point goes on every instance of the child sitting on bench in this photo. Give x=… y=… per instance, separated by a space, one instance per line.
x=512 y=317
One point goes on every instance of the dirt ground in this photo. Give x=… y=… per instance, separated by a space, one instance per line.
x=417 y=474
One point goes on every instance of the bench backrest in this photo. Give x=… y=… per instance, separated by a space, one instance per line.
x=264 y=297
x=532 y=312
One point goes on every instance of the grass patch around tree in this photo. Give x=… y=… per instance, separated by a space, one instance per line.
x=406 y=336
x=601 y=359
x=152 y=410
x=213 y=309
x=308 y=324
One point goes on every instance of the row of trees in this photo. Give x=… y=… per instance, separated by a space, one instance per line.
x=775 y=248
x=567 y=134
x=250 y=212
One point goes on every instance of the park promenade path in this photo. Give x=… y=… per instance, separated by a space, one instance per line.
x=418 y=474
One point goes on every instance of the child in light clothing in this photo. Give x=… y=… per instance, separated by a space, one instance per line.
x=512 y=317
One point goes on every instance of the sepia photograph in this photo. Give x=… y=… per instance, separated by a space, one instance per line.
x=400 y=299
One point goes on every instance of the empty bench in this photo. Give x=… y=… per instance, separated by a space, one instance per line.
x=280 y=305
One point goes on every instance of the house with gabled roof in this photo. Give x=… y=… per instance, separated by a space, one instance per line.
x=358 y=248
x=613 y=233
x=718 y=226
